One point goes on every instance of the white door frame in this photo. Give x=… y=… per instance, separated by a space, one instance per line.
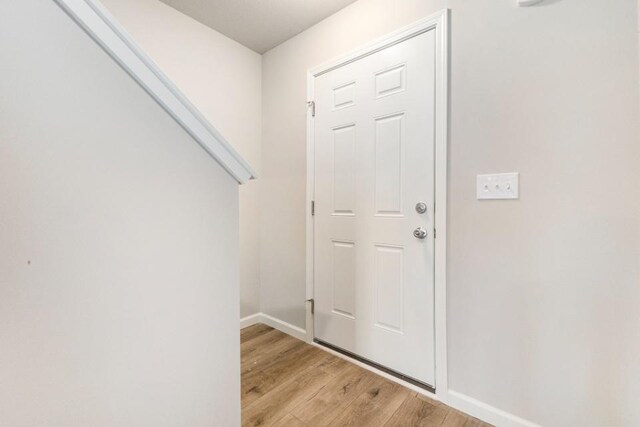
x=438 y=23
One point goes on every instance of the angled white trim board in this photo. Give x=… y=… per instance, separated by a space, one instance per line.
x=438 y=23
x=526 y=3
x=96 y=21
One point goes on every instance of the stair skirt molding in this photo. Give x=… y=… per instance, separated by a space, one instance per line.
x=103 y=28
x=456 y=400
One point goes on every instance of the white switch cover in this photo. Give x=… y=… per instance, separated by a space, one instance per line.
x=498 y=186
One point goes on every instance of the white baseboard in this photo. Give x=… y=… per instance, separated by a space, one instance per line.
x=457 y=400
x=278 y=324
x=285 y=327
x=485 y=412
x=245 y=322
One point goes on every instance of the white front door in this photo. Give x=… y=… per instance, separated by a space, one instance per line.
x=374 y=135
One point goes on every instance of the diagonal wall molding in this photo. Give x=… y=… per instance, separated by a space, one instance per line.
x=96 y=21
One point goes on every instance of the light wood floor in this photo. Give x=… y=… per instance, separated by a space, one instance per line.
x=286 y=382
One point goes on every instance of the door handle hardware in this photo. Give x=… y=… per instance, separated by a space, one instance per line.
x=419 y=233
x=421 y=207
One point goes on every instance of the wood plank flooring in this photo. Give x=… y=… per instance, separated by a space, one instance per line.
x=288 y=383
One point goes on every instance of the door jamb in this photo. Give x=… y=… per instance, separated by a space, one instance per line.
x=438 y=22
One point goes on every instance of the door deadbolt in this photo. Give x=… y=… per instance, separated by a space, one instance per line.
x=419 y=233
x=421 y=207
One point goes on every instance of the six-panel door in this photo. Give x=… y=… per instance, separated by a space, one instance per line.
x=374 y=163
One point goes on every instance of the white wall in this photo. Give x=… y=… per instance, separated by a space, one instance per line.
x=543 y=293
x=222 y=79
x=118 y=244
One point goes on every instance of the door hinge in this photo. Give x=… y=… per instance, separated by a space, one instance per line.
x=312 y=105
x=313 y=207
x=434 y=233
x=313 y=305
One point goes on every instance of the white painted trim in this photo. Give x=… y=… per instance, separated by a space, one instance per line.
x=278 y=324
x=455 y=399
x=486 y=412
x=309 y=322
x=439 y=23
x=309 y=226
x=428 y=23
x=441 y=178
x=526 y=3
x=254 y=319
x=283 y=326
x=98 y=23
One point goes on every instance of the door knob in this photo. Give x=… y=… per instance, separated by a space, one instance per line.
x=419 y=233
x=421 y=207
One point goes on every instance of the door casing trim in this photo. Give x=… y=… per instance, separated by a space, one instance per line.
x=438 y=22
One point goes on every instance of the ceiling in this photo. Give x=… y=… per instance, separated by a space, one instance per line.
x=259 y=24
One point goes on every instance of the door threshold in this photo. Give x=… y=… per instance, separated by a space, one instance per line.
x=377 y=366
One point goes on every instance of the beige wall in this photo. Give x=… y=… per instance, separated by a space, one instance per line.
x=543 y=293
x=284 y=177
x=118 y=244
x=222 y=79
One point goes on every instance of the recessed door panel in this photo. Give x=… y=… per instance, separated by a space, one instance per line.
x=344 y=173
x=344 y=96
x=388 y=165
x=344 y=276
x=389 y=285
x=390 y=81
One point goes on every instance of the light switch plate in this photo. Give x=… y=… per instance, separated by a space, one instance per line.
x=498 y=186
